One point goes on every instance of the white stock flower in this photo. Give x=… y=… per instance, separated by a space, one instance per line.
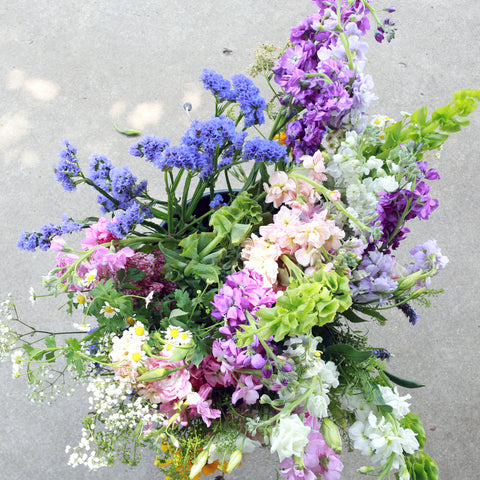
x=289 y=437
x=392 y=398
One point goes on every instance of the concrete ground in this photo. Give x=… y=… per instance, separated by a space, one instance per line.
x=73 y=69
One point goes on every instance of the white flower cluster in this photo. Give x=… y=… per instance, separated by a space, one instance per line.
x=362 y=179
x=120 y=411
x=47 y=384
x=8 y=336
x=381 y=436
x=317 y=376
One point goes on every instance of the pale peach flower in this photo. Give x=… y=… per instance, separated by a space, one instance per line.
x=261 y=256
x=316 y=166
x=281 y=189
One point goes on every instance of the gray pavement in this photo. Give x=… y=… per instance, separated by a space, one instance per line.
x=72 y=69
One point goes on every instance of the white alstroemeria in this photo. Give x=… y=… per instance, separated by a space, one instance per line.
x=289 y=437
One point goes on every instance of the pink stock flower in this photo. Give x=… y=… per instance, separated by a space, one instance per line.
x=319 y=458
x=247 y=389
x=199 y=406
x=103 y=259
x=57 y=244
x=97 y=234
x=213 y=373
x=173 y=387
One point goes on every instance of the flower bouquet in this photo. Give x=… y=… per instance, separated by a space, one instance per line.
x=225 y=314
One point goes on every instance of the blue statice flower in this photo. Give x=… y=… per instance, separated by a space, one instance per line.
x=248 y=96
x=263 y=150
x=67 y=167
x=150 y=147
x=99 y=169
x=42 y=239
x=241 y=90
x=118 y=182
x=219 y=86
x=200 y=146
x=217 y=202
x=126 y=221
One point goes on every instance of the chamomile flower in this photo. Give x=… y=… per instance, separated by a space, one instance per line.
x=108 y=311
x=80 y=299
x=90 y=278
x=139 y=331
x=177 y=335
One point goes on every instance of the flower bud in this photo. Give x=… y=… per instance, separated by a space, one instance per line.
x=200 y=462
x=235 y=460
x=331 y=435
x=154 y=375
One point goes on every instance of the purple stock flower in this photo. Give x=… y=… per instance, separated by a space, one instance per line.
x=376 y=283
x=396 y=208
x=317 y=75
x=242 y=291
x=428 y=257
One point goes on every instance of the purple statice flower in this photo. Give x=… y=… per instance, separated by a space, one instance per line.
x=150 y=147
x=42 y=239
x=394 y=209
x=409 y=312
x=218 y=85
x=248 y=96
x=242 y=90
x=376 y=278
x=67 y=167
x=263 y=150
x=125 y=222
x=242 y=292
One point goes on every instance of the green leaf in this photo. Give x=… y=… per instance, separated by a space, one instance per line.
x=50 y=342
x=353 y=317
x=128 y=131
x=207 y=272
x=402 y=382
x=419 y=116
x=349 y=352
